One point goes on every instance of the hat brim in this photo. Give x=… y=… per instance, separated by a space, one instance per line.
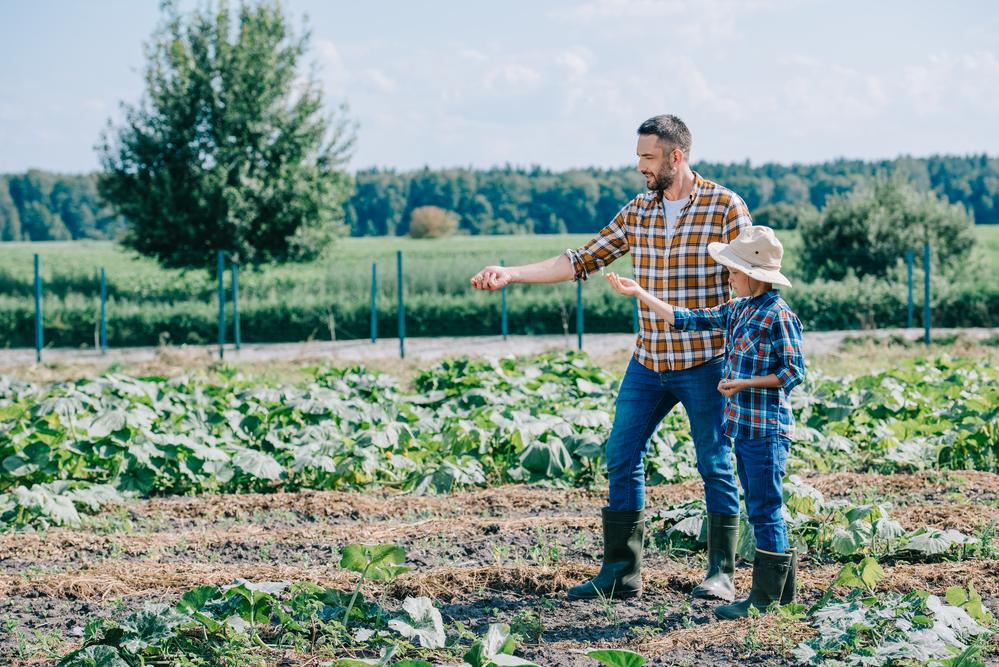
x=722 y=253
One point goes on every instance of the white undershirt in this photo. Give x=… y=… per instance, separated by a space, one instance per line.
x=671 y=210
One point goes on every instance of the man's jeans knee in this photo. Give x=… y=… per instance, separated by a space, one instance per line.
x=644 y=399
x=641 y=404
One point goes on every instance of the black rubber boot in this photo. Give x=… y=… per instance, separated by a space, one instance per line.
x=620 y=574
x=769 y=575
x=723 y=535
x=790 y=584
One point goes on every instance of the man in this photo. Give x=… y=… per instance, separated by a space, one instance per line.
x=667 y=230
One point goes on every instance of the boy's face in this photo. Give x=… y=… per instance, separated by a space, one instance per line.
x=739 y=282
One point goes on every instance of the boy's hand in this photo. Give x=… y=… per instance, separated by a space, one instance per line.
x=730 y=388
x=625 y=286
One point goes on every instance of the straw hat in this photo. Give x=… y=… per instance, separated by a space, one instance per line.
x=756 y=252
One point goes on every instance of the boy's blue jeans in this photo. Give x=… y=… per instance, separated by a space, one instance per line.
x=644 y=399
x=761 y=463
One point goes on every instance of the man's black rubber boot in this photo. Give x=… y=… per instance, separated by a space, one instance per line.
x=769 y=576
x=620 y=574
x=723 y=535
x=791 y=584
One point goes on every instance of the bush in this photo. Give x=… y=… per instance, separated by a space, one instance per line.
x=867 y=231
x=432 y=222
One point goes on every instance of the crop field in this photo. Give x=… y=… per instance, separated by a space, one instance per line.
x=312 y=515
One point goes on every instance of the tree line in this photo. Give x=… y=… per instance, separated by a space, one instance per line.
x=40 y=206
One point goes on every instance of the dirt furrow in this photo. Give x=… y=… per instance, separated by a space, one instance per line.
x=110 y=578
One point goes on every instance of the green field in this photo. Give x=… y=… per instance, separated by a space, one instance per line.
x=204 y=516
x=291 y=302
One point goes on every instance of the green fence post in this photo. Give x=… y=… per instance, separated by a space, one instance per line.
x=238 y=339
x=402 y=306
x=39 y=341
x=104 y=314
x=908 y=262
x=634 y=323
x=579 y=313
x=504 y=327
x=374 y=302
x=926 y=294
x=221 y=270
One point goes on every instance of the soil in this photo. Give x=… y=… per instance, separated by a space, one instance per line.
x=484 y=556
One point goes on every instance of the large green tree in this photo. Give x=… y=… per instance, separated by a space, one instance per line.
x=868 y=230
x=230 y=148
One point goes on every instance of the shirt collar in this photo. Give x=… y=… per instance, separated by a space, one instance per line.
x=765 y=298
x=694 y=191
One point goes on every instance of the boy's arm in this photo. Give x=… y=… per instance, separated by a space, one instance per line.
x=701 y=319
x=785 y=336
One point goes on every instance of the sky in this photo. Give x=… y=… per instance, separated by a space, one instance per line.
x=555 y=83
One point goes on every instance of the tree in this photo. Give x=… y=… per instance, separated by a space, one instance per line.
x=230 y=148
x=431 y=222
x=783 y=215
x=10 y=219
x=868 y=230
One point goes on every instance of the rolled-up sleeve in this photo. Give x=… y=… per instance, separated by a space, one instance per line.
x=604 y=248
x=785 y=337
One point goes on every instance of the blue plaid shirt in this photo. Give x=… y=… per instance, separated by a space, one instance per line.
x=762 y=337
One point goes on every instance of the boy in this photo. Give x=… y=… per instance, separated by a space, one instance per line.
x=763 y=362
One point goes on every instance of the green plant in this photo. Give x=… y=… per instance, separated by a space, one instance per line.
x=382 y=562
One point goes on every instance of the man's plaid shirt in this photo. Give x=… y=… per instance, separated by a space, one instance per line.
x=763 y=337
x=677 y=269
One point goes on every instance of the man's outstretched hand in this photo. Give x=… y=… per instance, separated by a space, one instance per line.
x=492 y=278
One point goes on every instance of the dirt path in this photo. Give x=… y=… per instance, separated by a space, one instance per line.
x=423 y=349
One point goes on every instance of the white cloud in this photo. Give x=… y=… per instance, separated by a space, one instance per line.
x=694 y=22
x=817 y=93
x=575 y=62
x=965 y=80
x=471 y=54
x=333 y=69
x=513 y=78
x=377 y=80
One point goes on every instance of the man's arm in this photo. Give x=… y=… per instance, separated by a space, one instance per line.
x=556 y=269
x=604 y=248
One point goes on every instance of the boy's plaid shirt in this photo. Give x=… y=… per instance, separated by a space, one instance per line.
x=763 y=336
x=678 y=269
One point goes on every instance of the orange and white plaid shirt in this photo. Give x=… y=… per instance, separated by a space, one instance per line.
x=677 y=269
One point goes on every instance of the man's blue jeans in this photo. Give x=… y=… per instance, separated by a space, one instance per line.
x=645 y=398
x=761 y=464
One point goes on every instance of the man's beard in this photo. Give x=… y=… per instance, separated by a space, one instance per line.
x=662 y=180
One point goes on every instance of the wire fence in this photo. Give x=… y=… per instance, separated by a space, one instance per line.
x=227 y=264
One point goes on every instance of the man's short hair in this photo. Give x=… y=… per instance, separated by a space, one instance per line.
x=672 y=132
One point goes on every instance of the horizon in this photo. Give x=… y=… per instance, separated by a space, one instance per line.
x=534 y=167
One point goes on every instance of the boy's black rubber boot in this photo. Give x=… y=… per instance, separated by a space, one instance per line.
x=769 y=575
x=723 y=535
x=620 y=574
